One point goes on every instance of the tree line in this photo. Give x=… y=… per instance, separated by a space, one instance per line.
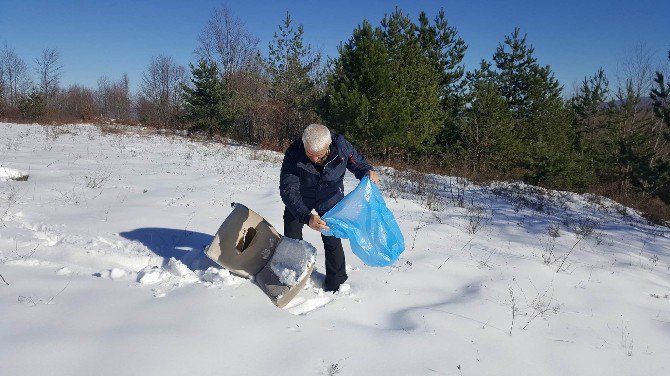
x=399 y=90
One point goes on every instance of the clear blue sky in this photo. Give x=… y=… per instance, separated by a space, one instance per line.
x=98 y=38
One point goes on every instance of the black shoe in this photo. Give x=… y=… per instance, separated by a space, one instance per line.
x=332 y=284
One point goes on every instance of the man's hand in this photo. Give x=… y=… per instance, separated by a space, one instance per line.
x=374 y=176
x=316 y=223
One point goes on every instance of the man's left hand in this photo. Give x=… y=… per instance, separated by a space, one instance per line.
x=374 y=176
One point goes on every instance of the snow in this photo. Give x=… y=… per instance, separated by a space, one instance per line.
x=11 y=174
x=291 y=260
x=151 y=275
x=103 y=272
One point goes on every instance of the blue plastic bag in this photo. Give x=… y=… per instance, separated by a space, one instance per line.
x=363 y=218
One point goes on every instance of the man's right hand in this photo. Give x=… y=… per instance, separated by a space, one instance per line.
x=316 y=223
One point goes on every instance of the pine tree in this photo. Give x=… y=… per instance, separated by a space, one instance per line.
x=516 y=66
x=593 y=140
x=384 y=90
x=487 y=125
x=417 y=116
x=639 y=168
x=446 y=50
x=207 y=102
x=293 y=69
x=542 y=120
x=589 y=100
x=33 y=105
x=660 y=96
x=358 y=87
x=661 y=104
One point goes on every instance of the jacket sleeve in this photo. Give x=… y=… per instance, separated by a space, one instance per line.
x=356 y=162
x=289 y=188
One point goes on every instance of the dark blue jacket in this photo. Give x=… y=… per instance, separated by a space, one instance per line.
x=303 y=188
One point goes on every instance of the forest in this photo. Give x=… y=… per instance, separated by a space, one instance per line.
x=400 y=92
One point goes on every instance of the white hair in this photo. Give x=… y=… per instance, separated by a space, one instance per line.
x=316 y=137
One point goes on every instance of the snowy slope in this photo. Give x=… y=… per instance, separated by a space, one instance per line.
x=103 y=273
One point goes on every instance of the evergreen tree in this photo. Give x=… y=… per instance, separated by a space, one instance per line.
x=639 y=167
x=446 y=50
x=517 y=73
x=660 y=97
x=33 y=105
x=487 y=125
x=589 y=100
x=542 y=120
x=384 y=91
x=593 y=140
x=661 y=105
x=207 y=101
x=414 y=100
x=358 y=87
x=293 y=69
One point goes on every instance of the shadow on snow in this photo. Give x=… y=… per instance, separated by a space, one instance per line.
x=184 y=245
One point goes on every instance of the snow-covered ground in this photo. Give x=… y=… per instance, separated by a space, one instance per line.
x=102 y=272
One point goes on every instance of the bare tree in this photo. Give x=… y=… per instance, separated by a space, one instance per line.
x=15 y=75
x=636 y=66
x=160 y=93
x=120 y=101
x=293 y=67
x=102 y=97
x=113 y=98
x=2 y=85
x=78 y=102
x=638 y=69
x=49 y=71
x=225 y=41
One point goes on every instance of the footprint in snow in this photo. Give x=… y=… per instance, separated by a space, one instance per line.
x=314 y=297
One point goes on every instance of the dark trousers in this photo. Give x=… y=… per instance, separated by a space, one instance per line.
x=336 y=272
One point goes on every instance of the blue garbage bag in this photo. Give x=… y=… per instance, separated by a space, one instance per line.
x=363 y=218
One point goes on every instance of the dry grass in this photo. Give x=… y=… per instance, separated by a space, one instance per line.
x=652 y=208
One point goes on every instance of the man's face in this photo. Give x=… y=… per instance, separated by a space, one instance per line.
x=318 y=158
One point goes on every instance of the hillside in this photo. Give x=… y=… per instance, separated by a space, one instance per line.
x=103 y=273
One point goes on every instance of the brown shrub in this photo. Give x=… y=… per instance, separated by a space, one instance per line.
x=652 y=208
